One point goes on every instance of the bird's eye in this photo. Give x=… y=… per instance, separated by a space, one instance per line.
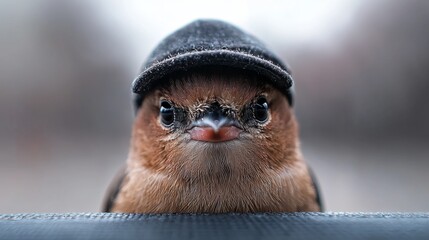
x=260 y=109
x=166 y=112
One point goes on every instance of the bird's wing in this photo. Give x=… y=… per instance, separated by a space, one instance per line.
x=316 y=189
x=113 y=190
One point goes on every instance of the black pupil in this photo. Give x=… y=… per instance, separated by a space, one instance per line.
x=167 y=113
x=260 y=109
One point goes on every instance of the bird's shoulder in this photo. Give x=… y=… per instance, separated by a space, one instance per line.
x=113 y=190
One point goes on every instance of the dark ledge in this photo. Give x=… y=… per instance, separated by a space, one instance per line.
x=218 y=226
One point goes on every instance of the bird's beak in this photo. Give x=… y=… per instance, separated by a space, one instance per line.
x=214 y=126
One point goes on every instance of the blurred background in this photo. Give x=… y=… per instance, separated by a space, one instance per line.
x=361 y=70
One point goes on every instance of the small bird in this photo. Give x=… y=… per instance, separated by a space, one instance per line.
x=210 y=136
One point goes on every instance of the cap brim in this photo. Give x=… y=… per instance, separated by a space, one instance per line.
x=274 y=74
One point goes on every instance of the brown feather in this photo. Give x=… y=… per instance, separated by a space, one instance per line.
x=262 y=171
x=113 y=190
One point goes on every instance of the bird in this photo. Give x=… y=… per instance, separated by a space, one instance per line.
x=213 y=138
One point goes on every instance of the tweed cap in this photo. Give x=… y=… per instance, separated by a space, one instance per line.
x=205 y=43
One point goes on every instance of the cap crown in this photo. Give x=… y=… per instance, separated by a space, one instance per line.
x=211 y=43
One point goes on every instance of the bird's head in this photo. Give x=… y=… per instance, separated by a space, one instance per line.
x=212 y=122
